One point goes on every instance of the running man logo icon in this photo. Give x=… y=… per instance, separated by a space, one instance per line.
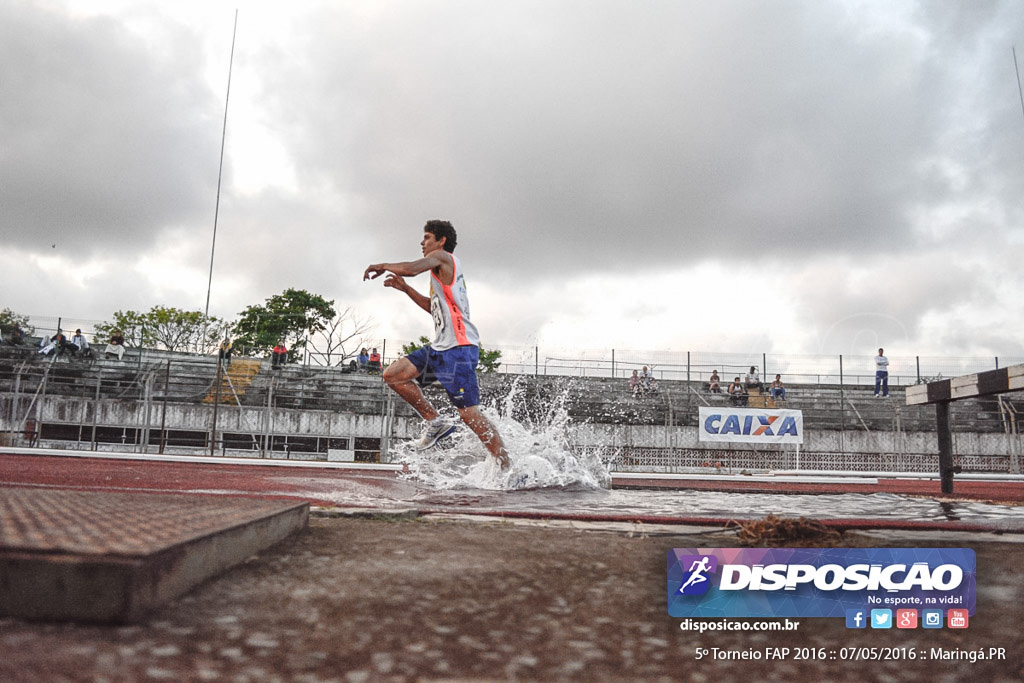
x=696 y=581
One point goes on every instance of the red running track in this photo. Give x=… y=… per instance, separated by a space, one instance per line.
x=255 y=479
x=160 y=476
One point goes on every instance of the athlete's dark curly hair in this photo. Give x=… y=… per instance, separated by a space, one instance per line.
x=441 y=229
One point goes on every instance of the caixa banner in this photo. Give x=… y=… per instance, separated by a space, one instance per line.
x=817 y=582
x=750 y=425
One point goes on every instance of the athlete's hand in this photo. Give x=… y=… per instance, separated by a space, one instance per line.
x=395 y=282
x=375 y=271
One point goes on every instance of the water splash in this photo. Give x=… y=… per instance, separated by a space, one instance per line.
x=535 y=432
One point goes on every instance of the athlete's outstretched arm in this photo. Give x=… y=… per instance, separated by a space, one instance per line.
x=406 y=268
x=397 y=272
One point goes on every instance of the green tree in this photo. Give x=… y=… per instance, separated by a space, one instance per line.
x=9 y=320
x=292 y=317
x=413 y=346
x=489 y=361
x=166 y=328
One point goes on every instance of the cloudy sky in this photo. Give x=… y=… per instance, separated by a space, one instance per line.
x=797 y=176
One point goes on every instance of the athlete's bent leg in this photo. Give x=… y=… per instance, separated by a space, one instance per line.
x=401 y=376
x=482 y=427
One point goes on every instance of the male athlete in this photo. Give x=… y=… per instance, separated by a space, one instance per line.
x=452 y=357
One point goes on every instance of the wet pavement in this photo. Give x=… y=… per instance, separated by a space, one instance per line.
x=848 y=502
x=472 y=599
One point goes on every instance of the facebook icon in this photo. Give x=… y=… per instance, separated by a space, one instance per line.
x=856 y=618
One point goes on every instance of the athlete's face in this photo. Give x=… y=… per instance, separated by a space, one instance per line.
x=431 y=243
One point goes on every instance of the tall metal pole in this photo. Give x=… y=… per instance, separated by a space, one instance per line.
x=842 y=406
x=216 y=403
x=220 y=171
x=1016 y=70
x=163 y=413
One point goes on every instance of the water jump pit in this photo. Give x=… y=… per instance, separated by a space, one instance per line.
x=441 y=487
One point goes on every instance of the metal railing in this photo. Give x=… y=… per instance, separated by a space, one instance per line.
x=905 y=368
x=161 y=402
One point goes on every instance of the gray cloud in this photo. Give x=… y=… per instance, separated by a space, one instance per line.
x=683 y=132
x=106 y=141
x=867 y=152
x=853 y=305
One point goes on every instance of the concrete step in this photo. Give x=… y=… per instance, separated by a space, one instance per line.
x=112 y=556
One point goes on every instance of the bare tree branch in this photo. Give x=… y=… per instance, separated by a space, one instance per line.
x=341 y=338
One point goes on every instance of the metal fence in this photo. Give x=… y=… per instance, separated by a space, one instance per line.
x=697 y=366
x=158 y=402
x=905 y=368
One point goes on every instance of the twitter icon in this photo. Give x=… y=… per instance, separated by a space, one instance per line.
x=881 y=618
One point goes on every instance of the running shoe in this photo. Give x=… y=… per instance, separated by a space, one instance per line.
x=436 y=430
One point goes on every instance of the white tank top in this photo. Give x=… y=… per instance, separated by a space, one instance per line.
x=449 y=305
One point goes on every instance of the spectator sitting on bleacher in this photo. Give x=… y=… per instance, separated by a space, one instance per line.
x=279 y=356
x=225 y=351
x=753 y=381
x=737 y=393
x=715 y=383
x=362 y=359
x=79 y=345
x=56 y=343
x=636 y=387
x=17 y=336
x=373 y=365
x=46 y=344
x=778 y=389
x=116 y=345
x=649 y=383
x=66 y=346
x=12 y=335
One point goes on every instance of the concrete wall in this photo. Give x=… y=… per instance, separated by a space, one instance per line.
x=280 y=421
x=815 y=441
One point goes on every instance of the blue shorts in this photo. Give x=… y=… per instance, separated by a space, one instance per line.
x=454 y=369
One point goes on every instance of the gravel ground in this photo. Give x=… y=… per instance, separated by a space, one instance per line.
x=453 y=600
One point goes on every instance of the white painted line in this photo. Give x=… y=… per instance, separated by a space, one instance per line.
x=789 y=478
x=205 y=459
x=779 y=476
